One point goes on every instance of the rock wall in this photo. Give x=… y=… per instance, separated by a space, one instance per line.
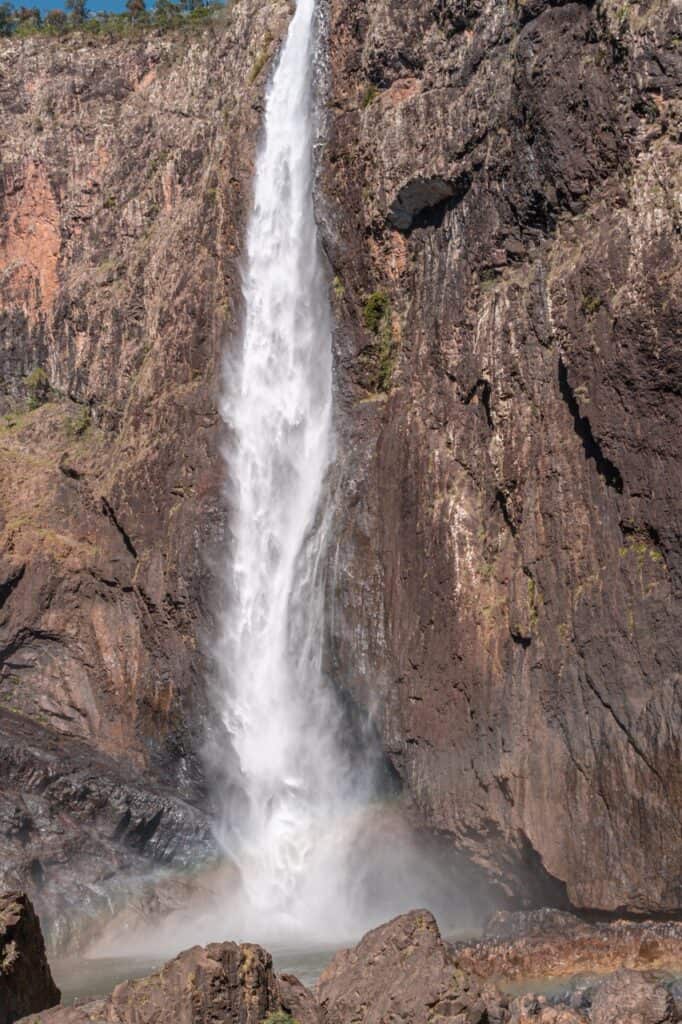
x=499 y=194
x=26 y=983
x=502 y=184
x=125 y=175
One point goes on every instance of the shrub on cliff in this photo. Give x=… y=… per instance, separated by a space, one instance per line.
x=378 y=360
x=38 y=387
x=136 y=9
x=375 y=309
x=55 y=21
x=6 y=19
x=78 y=11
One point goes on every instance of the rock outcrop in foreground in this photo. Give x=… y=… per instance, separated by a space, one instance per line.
x=223 y=982
x=26 y=984
x=402 y=971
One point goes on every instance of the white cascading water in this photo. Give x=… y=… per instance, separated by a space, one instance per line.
x=282 y=716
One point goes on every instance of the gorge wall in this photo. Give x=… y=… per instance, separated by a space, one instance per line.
x=506 y=177
x=499 y=197
x=126 y=175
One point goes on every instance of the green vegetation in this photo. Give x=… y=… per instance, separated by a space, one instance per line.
x=260 y=62
x=641 y=549
x=369 y=95
x=375 y=311
x=38 y=387
x=167 y=14
x=337 y=285
x=279 y=1017
x=78 y=424
x=488 y=278
x=379 y=359
x=590 y=303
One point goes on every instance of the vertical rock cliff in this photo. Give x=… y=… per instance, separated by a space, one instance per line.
x=125 y=178
x=502 y=204
x=499 y=196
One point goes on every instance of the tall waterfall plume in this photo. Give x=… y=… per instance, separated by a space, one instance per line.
x=282 y=715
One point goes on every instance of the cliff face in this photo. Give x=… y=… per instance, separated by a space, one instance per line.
x=505 y=175
x=124 y=181
x=499 y=199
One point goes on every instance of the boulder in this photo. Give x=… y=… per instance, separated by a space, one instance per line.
x=531 y=1009
x=26 y=984
x=402 y=971
x=635 y=998
x=222 y=982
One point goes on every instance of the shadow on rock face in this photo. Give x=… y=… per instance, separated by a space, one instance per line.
x=26 y=984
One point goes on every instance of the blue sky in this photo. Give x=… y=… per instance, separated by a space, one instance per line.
x=93 y=5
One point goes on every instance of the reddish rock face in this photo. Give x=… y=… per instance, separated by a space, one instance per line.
x=26 y=984
x=125 y=179
x=553 y=944
x=508 y=561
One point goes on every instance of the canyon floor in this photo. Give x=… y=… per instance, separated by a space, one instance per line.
x=546 y=967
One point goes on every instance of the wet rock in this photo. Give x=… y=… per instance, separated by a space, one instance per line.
x=511 y=925
x=553 y=943
x=531 y=1009
x=636 y=998
x=26 y=984
x=74 y=823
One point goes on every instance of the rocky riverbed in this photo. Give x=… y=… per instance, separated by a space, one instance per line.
x=402 y=971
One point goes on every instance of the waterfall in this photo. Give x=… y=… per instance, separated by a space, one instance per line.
x=281 y=713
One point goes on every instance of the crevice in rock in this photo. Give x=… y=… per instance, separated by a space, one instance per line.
x=624 y=729
x=424 y=202
x=37 y=873
x=8 y=586
x=22 y=639
x=69 y=471
x=482 y=389
x=143 y=832
x=109 y=512
x=581 y=424
x=122 y=826
x=544 y=889
x=520 y=638
x=502 y=501
x=646 y=532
